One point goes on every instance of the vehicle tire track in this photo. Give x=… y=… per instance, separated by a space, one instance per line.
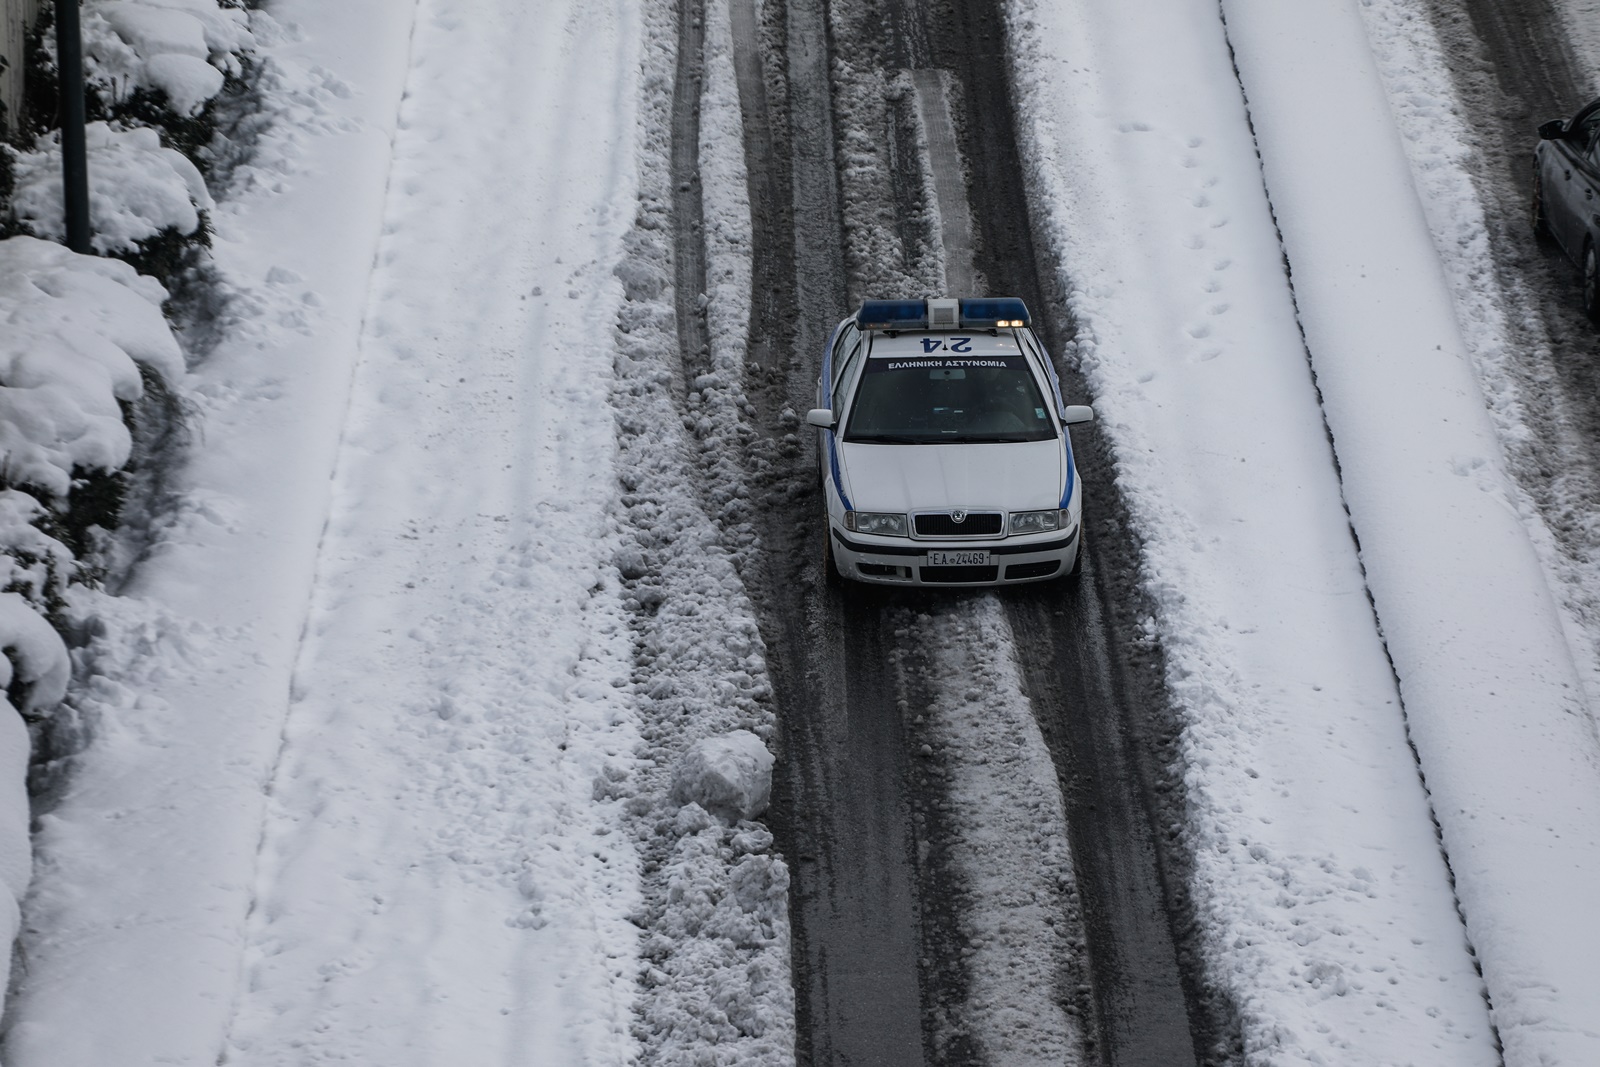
x=840 y=809
x=1095 y=684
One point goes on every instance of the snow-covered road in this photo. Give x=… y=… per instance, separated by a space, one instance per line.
x=493 y=511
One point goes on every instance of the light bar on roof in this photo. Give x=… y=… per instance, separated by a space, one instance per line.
x=893 y=315
x=1001 y=312
x=981 y=313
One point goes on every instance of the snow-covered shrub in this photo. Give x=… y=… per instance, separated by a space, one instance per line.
x=76 y=329
x=34 y=673
x=184 y=49
x=32 y=563
x=143 y=198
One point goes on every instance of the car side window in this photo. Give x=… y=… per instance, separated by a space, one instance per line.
x=846 y=368
x=848 y=336
x=1038 y=353
x=1584 y=132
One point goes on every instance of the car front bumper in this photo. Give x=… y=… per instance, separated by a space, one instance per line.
x=1011 y=561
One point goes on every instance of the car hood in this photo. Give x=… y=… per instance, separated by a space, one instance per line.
x=1019 y=476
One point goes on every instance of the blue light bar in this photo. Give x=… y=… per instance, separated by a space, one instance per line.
x=994 y=311
x=893 y=315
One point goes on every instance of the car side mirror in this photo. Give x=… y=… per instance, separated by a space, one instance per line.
x=1553 y=130
x=822 y=418
x=1077 y=414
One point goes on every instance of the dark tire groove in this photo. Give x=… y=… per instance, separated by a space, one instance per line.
x=1096 y=685
x=877 y=912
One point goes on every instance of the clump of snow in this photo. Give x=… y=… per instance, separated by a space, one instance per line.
x=183 y=48
x=76 y=330
x=729 y=776
x=137 y=188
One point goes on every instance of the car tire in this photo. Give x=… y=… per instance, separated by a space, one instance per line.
x=1537 y=215
x=831 y=578
x=1591 y=282
x=1075 y=572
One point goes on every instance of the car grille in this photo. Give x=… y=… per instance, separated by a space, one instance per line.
x=959 y=574
x=977 y=524
x=1032 y=570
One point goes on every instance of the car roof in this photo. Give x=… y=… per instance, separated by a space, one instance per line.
x=911 y=343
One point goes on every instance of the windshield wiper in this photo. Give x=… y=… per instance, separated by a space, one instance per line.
x=883 y=439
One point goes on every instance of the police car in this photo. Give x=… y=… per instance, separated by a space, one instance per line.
x=944 y=451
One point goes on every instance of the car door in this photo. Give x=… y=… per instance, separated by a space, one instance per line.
x=1586 y=183
x=1571 y=180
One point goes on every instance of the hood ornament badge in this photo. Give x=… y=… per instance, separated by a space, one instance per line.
x=958 y=516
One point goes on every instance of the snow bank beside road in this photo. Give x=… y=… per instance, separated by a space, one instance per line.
x=1326 y=911
x=1493 y=697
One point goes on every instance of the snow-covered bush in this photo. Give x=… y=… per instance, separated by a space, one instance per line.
x=141 y=194
x=184 y=49
x=35 y=666
x=78 y=336
x=76 y=329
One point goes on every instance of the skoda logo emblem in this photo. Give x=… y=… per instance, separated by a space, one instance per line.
x=958 y=516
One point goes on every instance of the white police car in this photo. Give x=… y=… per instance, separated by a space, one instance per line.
x=944 y=452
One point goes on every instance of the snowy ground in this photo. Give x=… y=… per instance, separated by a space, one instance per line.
x=1210 y=390
x=384 y=732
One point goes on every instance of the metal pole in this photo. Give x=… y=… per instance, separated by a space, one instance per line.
x=74 y=151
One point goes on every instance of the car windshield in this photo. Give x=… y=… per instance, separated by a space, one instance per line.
x=973 y=400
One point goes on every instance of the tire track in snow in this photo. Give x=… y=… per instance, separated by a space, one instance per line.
x=1015 y=924
x=1147 y=994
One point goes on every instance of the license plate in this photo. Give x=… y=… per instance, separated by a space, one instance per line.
x=970 y=558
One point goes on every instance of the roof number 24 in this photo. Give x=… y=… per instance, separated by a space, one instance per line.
x=954 y=344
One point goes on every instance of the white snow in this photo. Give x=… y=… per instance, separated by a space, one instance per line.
x=729 y=776
x=1492 y=693
x=1327 y=910
x=183 y=48
x=1007 y=841
x=381 y=745
x=1582 y=23
x=76 y=330
x=137 y=188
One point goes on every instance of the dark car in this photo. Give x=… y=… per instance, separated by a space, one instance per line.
x=1566 y=193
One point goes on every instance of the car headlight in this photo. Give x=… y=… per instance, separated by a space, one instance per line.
x=1028 y=522
x=874 y=522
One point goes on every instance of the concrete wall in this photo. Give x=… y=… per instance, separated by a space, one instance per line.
x=16 y=16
